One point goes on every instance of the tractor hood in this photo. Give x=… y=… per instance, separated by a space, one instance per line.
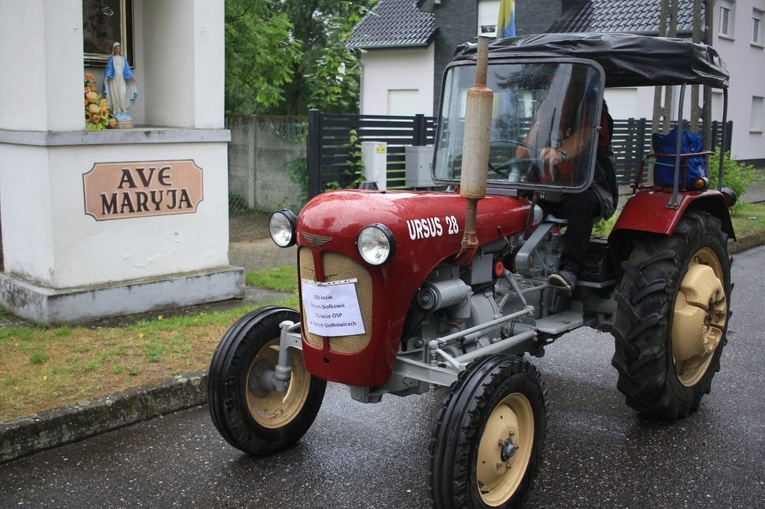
x=427 y=226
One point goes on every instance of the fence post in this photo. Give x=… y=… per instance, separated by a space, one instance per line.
x=644 y=127
x=628 y=165
x=634 y=148
x=314 y=153
x=715 y=128
x=419 y=130
x=728 y=135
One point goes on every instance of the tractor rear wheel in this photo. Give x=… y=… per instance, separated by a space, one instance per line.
x=487 y=444
x=672 y=317
x=247 y=413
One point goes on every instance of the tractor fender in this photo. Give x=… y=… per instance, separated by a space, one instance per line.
x=650 y=212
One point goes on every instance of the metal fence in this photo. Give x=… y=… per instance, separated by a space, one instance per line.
x=334 y=145
x=277 y=162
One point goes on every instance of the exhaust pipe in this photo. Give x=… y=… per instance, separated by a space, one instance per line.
x=475 y=147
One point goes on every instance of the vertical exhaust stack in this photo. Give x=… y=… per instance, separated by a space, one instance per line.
x=475 y=147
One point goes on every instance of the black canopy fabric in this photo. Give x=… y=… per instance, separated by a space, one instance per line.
x=629 y=60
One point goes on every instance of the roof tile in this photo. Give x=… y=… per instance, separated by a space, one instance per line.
x=621 y=16
x=394 y=23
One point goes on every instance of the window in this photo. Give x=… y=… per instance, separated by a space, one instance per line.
x=726 y=20
x=717 y=105
x=757 y=118
x=403 y=102
x=488 y=15
x=757 y=36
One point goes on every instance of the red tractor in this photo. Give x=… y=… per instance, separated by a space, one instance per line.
x=405 y=291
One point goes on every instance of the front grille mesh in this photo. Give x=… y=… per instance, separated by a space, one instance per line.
x=337 y=268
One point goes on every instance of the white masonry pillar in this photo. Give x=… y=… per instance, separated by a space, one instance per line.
x=120 y=221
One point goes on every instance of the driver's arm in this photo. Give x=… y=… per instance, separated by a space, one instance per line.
x=522 y=152
x=569 y=148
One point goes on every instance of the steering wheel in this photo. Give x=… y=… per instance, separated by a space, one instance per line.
x=517 y=165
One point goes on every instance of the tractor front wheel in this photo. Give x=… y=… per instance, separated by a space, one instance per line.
x=488 y=441
x=672 y=317
x=246 y=411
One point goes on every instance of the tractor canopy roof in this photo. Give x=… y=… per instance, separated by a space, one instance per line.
x=629 y=60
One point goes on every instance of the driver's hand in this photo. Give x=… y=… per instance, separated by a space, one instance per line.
x=522 y=152
x=550 y=157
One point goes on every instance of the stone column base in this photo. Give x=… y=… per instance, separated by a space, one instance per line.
x=49 y=306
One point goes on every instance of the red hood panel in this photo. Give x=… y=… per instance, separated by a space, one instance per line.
x=427 y=225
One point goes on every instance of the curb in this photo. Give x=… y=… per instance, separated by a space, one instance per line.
x=34 y=433
x=52 y=428
x=746 y=242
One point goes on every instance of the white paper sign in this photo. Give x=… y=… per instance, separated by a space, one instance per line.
x=332 y=309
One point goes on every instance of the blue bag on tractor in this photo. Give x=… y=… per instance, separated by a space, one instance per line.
x=692 y=160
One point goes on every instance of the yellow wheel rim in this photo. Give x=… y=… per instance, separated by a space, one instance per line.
x=276 y=409
x=505 y=449
x=701 y=312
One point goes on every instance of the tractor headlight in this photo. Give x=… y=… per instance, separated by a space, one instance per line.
x=376 y=244
x=281 y=224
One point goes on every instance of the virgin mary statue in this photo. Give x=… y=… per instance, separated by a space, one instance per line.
x=119 y=85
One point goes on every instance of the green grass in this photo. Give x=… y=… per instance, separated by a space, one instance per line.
x=282 y=279
x=44 y=368
x=750 y=218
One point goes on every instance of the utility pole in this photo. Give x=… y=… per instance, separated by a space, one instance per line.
x=662 y=97
x=700 y=107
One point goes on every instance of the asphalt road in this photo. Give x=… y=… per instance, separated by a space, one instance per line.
x=598 y=454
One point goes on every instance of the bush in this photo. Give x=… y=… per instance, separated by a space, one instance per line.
x=738 y=176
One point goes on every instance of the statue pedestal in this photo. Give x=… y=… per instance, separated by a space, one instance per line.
x=131 y=221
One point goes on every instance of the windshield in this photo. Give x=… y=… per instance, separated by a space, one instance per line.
x=537 y=108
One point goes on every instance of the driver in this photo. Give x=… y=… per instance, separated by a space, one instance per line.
x=559 y=160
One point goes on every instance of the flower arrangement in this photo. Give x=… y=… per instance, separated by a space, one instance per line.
x=97 y=115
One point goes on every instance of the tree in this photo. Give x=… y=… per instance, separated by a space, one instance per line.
x=284 y=57
x=329 y=72
x=261 y=55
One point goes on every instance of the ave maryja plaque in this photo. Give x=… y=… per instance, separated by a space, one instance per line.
x=144 y=188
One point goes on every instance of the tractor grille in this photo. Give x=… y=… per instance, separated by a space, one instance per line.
x=337 y=268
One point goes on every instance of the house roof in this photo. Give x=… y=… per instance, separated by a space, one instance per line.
x=394 y=24
x=636 y=16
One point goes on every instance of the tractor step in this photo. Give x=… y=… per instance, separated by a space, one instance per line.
x=560 y=322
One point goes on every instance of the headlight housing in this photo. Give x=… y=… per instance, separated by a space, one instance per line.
x=376 y=244
x=282 y=226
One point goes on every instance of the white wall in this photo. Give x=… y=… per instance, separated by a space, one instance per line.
x=746 y=65
x=28 y=99
x=184 y=71
x=404 y=69
x=622 y=102
x=52 y=242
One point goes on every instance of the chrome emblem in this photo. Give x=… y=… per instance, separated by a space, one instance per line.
x=316 y=240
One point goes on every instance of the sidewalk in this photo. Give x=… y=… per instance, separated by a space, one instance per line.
x=52 y=428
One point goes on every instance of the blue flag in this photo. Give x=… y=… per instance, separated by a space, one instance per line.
x=506 y=22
